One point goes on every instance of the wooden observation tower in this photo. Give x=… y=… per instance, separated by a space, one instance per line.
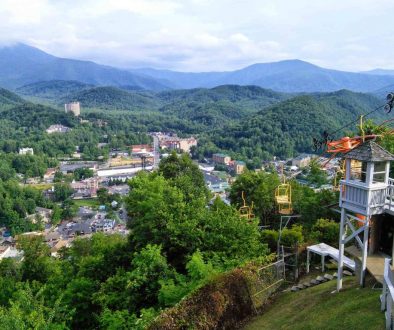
x=365 y=194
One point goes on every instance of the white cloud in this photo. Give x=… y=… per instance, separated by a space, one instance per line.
x=205 y=35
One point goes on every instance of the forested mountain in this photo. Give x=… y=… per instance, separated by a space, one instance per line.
x=53 y=89
x=249 y=122
x=287 y=128
x=201 y=105
x=112 y=98
x=380 y=72
x=8 y=98
x=284 y=76
x=21 y=64
x=216 y=106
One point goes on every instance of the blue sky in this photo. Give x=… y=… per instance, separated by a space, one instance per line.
x=203 y=35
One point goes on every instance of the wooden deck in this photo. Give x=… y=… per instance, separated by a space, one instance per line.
x=375 y=262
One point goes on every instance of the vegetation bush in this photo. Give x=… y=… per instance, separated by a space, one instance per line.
x=292 y=236
x=220 y=304
x=326 y=231
x=270 y=237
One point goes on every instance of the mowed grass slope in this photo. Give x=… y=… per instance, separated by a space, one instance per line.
x=318 y=308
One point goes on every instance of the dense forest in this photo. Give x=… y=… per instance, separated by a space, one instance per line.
x=176 y=244
x=249 y=122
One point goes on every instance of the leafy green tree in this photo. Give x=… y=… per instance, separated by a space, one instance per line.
x=62 y=192
x=56 y=215
x=184 y=174
x=37 y=263
x=316 y=175
x=28 y=311
x=259 y=189
x=83 y=173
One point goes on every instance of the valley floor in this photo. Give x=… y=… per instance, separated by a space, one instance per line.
x=318 y=308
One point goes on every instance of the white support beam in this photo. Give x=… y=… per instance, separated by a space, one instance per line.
x=364 y=254
x=355 y=235
x=342 y=234
x=307 y=260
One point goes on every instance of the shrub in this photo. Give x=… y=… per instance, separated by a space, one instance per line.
x=270 y=237
x=292 y=236
x=326 y=231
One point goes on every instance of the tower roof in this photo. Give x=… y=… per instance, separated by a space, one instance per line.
x=369 y=152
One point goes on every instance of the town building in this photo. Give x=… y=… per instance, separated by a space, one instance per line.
x=238 y=166
x=173 y=142
x=141 y=148
x=10 y=252
x=215 y=184
x=86 y=188
x=73 y=107
x=221 y=159
x=57 y=128
x=103 y=225
x=301 y=161
x=26 y=151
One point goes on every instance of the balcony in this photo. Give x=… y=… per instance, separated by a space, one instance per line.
x=376 y=198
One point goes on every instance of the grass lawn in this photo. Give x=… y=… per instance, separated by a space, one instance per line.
x=39 y=186
x=91 y=202
x=318 y=308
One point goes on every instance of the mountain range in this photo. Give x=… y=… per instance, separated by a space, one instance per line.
x=21 y=65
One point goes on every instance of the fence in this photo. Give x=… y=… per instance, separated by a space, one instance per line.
x=387 y=296
x=269 y=279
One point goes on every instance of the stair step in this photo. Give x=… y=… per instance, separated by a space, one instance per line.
x=335 y=275
x=314 y=282
x=320 y=279
x=347 y=273
x=294 y=289
x=328 y=277
x=307 y=284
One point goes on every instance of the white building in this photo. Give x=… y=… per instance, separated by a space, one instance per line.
x=26 y=151
x=57 y=129
x=73 y=107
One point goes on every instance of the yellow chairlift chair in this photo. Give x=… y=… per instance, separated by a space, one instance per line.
x=246 y=211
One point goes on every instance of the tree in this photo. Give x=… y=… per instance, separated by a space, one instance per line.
x=181 y=172
x=56 y=215
x=83 y=173
x=259 y=188
x=62 y=192
x=37 y=264
x=316 y=175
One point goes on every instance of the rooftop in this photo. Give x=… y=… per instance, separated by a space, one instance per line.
x=369 y=151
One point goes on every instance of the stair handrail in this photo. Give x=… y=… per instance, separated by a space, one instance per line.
x=387 y=297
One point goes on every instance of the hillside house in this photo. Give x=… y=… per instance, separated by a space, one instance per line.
x=238 y=166
x=26 y=151
x=221 y=159
x=57 y=128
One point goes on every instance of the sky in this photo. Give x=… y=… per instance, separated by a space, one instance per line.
x=203 y=35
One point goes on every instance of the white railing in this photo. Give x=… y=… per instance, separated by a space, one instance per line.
x=387 y=296
x=376 y=198
x=390 y=195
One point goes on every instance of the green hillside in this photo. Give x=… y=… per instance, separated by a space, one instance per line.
x=53 y=89
x=8 y=99
x=112 y=98
x=319 y=308
x=288 y=127
x=249 y=122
